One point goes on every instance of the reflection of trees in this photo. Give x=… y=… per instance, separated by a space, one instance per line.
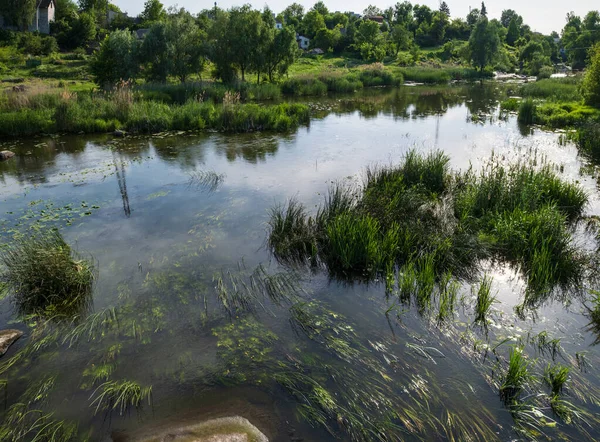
x=253 y=148
x=34 y=157
x=187 y=151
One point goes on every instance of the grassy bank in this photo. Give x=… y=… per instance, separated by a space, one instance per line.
x=442 y=75
x=419 y=223
x=23 y=115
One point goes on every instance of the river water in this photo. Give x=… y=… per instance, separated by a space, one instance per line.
x=166 y=218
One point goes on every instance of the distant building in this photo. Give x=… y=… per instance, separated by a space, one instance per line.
x=376 y=18
x=44 y=15
x=113 y=15
x=303 y=42
x=278 y=25
x=141 y=33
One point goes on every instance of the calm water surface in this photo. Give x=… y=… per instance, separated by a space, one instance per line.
x=162 y=237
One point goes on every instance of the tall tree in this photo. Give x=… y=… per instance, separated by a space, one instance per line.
x=508 y=15
x=445 y=9
x=591 y=82
x=483 y=9
x=116 y=59
x=473 y=17
x=293 y=14
x=483 y=43
x=312 y=22
x=19 y=12
x=403 y=13
x=245 y=27
x=153 y=12
x=281 y=52
x=372 y=10
x=513 y=33
x=320 y=8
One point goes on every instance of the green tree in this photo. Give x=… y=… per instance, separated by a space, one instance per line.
x=320 y=8
x=591 y=82
x=153 y=11
x=83 y=30
x=281 y=53
x=293 y=15
x=473 y=17
x=369 y=41
x=154 y=53
x=327 y=39
x=512 y=34
x=185 y=45
x=65 y=9
x=401 y=38
x=116 y=59
x=18 y=12
x=245 y=27
x=403 y=13
x=483 y=9
x=483 y=43
x=508 y=15
x=445 y=9
x=372 y=10
x=311 y=24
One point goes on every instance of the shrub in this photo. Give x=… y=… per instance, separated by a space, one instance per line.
x=45 y=276
x=591 y=81
x=545 y=72
x=527 y=112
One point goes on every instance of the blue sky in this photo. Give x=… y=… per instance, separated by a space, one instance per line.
x=542 y=15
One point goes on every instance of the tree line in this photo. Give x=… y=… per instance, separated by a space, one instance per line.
x=243 y=41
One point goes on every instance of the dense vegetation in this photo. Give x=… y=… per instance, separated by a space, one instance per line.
x=418 y=223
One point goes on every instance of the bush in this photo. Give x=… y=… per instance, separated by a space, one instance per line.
x=591 y=81
x=545 y=72
x=555 y=89
x=527 y=112
x=46 y=277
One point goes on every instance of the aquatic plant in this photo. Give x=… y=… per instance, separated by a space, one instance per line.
x=527 y=112
x=588 y=140
x=46 y=277
x=448 y=289
x=594 y=324
x=484 y=301
x=291 y=237
x=555 y=377
x=555 y=89
x=546 y=345
x=120 y=396
x=517 y=375
x=208 y=180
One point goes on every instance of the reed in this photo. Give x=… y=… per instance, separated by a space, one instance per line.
x=485 y=300
x=121 y=396
x=527 y=112
x=555 y=377
x=46 y=277
x=516 y=377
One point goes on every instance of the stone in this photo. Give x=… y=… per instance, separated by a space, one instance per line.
x=225 y=429
x=6 y=154
x=119 y=133
x=8 y=338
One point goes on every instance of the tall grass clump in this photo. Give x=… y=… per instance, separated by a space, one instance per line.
x=120 y=396
x=588 y=140
x=45 y=276
x=555 y=377
x=516 y=377
x=554 y=89
x=303 y=86
x=376 y=75
x=415 y=222
x=526 y=113
x=426 y=75
x=484 y=301
x=291 y=236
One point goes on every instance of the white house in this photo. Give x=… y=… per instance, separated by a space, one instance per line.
x=44 y=15
x=303 y=42
x=278 y=25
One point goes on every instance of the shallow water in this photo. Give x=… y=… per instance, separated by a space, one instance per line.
x=160 y=233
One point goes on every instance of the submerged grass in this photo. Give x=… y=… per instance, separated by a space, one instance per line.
x=516 y=377
x=46 y=277
x=121 y=396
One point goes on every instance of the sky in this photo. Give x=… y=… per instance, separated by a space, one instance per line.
x=542 y=15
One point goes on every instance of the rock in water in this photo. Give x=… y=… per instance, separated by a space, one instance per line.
x=225 y=429
x=7 y=338
x=6 y=154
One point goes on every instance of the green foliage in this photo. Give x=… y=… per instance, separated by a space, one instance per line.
x=588 y=140
x=555 y=377
x=517 y=376
x=554 y=89
x=483 y=43
x=46 y=277
x=485 y=300
x=527 y=112
x=120 y=396
x=591 y=82
x=116 y=60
